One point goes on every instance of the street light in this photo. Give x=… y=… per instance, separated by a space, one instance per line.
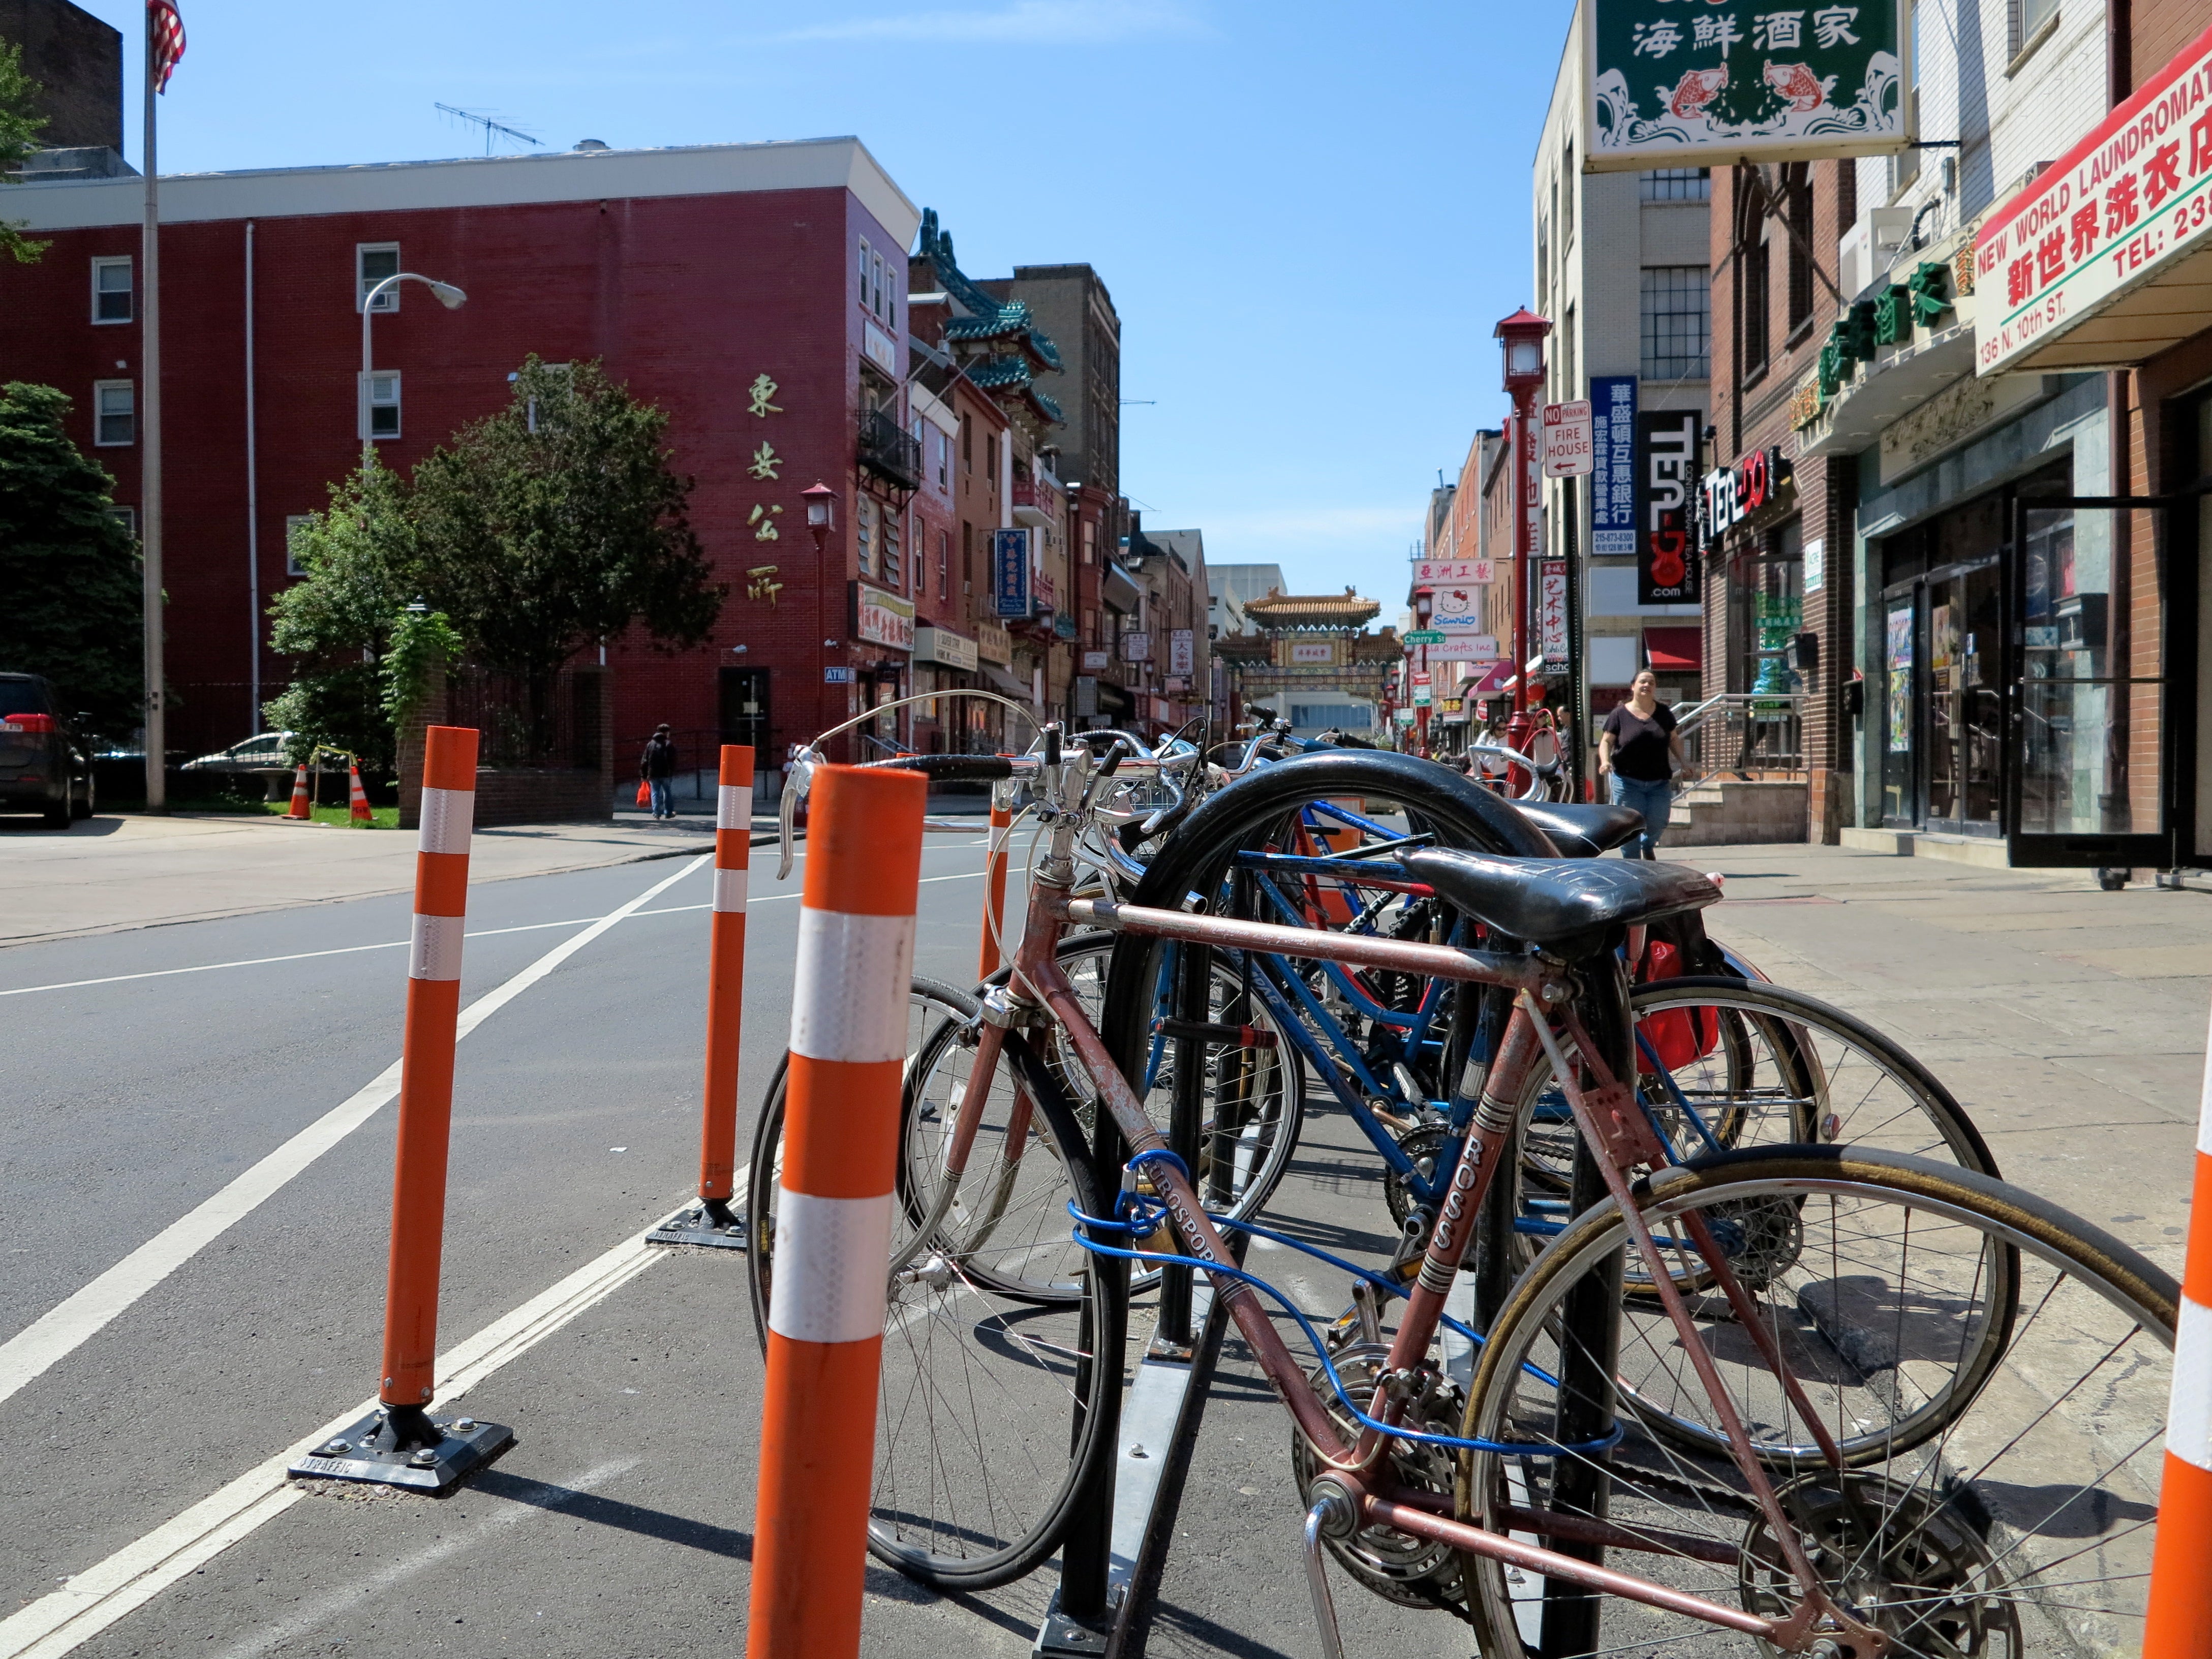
x=1523 y=335
x=821 y=512
x=448 y=296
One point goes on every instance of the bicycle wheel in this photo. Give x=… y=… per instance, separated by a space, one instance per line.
x=2003 y=1427
x=1260 y=810
x=987 y=1409
x=1778 y=1066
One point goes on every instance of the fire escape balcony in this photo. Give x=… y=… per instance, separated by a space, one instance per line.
x=887 y=452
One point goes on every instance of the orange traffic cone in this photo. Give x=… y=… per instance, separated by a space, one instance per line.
x=298 y=808
x=358 y=807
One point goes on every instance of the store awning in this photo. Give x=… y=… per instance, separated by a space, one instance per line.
x=1500 y=674
x=1678 y=650
x=1001 y=680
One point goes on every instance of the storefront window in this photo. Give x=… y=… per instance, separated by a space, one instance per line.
x=2089 y=684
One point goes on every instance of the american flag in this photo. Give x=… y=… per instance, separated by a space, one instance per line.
x=167 y=30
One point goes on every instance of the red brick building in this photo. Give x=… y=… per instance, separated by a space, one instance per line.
x=755 y=292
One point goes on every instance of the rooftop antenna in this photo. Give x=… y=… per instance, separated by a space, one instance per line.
x=490 y=126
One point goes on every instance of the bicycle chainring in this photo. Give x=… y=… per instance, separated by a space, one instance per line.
x=1411 y=1572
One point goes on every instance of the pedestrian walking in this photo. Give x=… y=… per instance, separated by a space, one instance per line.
x=1637 y=751
x=657 y=766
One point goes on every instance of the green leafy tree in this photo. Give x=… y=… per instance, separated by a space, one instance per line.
x=534 y=533
x=361 y=561
x=19 y=136
x=70 y=600
x=558 y=522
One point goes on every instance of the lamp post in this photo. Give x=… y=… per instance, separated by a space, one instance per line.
x=1523 y=335
x=448 y=296
x=821 y=518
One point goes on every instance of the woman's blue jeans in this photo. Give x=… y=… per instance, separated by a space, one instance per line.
x=1654 y=798
x=661 y=808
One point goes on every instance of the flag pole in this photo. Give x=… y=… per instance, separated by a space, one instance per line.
x=149 y=450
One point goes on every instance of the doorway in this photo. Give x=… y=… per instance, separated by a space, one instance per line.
x=744 y=712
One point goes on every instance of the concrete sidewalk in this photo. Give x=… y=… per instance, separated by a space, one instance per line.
x=2069 y=1022
x=110 y=873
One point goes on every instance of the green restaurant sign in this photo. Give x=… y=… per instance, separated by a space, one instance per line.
x=1678 y=83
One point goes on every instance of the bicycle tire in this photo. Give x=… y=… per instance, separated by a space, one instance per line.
x=1067 y=1353
x=1919 y=1532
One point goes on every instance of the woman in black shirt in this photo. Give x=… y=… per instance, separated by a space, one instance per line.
x=1637 y=751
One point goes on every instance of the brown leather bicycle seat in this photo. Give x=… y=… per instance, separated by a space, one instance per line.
x=1567 y=906
x=1580 y=831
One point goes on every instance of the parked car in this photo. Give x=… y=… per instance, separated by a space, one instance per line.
x=46 y=761
x=263 y=752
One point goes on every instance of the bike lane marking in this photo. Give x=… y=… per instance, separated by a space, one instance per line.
x=64 y=1620
x=66 y=1327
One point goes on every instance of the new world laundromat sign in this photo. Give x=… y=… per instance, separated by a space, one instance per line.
x=2126 y=205
x=1689 y=83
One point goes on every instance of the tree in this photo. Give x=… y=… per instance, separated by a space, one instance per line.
x=71 y=601
x=535 y=533
x=558 y=522
x=19 y=136
x=361 y=562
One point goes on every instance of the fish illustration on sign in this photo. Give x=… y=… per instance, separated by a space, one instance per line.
x=1697 y=88
x=1798 y=86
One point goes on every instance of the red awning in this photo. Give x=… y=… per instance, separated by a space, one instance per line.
x=1676 y=648
x=1500 y=673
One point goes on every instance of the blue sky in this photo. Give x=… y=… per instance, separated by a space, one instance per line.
x=1311 y=215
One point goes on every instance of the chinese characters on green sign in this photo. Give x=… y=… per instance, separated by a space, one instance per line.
x=1678 y=83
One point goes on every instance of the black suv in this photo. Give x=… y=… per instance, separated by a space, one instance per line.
x=45 y=765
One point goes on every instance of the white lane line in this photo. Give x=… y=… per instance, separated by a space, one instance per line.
x=63 y=1620
x=354 y=1592
x=392 y=945
x=83 y=1316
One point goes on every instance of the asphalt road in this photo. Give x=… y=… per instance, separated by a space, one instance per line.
x=147 y=1071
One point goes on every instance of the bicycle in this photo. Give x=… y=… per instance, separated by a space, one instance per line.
x=1844 y=1499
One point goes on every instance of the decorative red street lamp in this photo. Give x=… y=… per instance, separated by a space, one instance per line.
x=1523 y=334
x=821 y=512
x=821 y=518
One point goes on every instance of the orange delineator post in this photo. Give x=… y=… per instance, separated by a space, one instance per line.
x=2178 y=1625
x=995 y=890
x=426 y=1076
x=848 y=1017
x=725 y=973
x=356 y=796
x=298 y=808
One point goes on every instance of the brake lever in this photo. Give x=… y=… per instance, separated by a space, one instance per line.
x=797 y=780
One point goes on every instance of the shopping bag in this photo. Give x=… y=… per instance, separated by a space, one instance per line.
x=1675 y=1036
x=644 y=792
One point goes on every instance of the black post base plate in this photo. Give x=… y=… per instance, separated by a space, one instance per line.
x=1063 y=1638
x=364 y=1451
x=704 y=1221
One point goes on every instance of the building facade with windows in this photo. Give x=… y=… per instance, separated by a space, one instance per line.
x=1621 y=271
x=755 y=292
x=1987 y=626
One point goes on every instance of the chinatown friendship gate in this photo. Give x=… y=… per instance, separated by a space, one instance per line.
x=1310 y=661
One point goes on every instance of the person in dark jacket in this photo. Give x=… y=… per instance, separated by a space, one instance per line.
x=656 y=765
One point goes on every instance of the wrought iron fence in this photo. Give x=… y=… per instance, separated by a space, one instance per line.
x=559 y=726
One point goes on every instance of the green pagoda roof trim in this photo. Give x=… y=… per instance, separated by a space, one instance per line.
x=990 y=317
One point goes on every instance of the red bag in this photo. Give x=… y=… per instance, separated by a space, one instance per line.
x=1676 y=1036
x=644 y=792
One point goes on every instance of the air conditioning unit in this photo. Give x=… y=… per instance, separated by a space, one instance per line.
x=1866 y=253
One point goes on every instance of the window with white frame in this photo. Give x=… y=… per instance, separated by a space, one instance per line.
x=128 y=518
x=373 y=263
x=294 y=524
x=110 y=290
x=863 y=521
x=114 y=414
x=379 y=403
x=894 y=553
x=2028 y=17
x=1677 y=322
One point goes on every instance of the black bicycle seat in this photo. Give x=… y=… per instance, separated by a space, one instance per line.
x=1581 y=832
x=1568 y=906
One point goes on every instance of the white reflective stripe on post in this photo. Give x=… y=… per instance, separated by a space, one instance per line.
x=2189 y=1418
x=433 y=950
x=448 y=816
x=733 y=807
x=830 y=1256
x=849 y=995
x=730 y=891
